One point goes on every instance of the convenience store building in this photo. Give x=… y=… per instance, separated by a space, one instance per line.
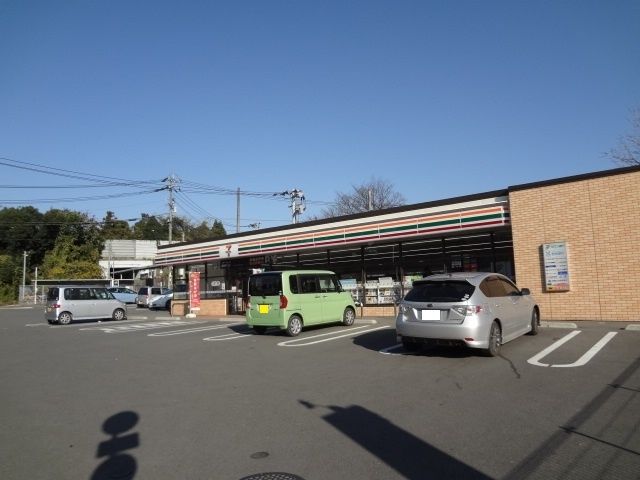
x=572 y=241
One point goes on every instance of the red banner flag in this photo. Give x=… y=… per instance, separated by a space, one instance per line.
x=194 y=290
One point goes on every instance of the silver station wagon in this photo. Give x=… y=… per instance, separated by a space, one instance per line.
x=68 y=303
x=473 y=309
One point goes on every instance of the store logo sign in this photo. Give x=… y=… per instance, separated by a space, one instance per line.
x=228 y=251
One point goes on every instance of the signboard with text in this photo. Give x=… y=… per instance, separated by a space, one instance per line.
x=556 y=267
x=194 y=290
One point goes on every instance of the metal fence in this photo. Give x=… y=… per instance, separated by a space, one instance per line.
x=29 y=295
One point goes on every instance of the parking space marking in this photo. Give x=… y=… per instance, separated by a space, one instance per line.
x=230 y=336
x=578 y=363
x=191 y=330
x=298 y=342
x=392 y=348
x=143 y=326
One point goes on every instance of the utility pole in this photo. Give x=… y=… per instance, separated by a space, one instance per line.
x=238 y=211
x=35 y=288
x=172 y=184
x=297 y=203
x=24 y=274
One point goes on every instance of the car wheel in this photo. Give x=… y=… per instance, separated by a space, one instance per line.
x=294 y=326
x=168 y=305
x=348 y=317
x=118 y=314
x=495 y=340
x=64 y=318
x=259 y=329
x=535 y=322
x=410 y=346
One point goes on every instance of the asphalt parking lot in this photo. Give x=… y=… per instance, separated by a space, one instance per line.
x=156 y=397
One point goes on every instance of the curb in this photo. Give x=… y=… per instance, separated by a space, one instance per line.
x=558 y=324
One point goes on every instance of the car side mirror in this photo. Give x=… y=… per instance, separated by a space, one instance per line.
x=525 y=291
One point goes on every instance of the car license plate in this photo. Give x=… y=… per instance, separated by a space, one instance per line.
x=430 y=315
x=263 y=308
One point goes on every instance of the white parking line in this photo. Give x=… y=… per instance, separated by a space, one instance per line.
x=578 y=363
x=143 y=326
x=388 y=350
x=191 y=330
x=229 y=336
x=299 y=341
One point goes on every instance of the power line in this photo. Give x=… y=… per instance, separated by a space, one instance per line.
x=54 y=224
x=74 y=199
x=61 y=172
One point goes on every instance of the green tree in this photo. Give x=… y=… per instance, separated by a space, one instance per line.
x=9 y=281
x=150 y=228
x=201 y=232
x=114 y=229
x=69 y=259
x=55 y=222
x=19 y=230
x=218 y=230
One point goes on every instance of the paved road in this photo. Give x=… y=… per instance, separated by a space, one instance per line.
x=160 y=398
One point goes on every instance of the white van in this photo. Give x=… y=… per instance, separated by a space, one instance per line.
x=68 y=303
x=146 y=293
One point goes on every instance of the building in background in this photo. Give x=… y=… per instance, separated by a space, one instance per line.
x=126 y=262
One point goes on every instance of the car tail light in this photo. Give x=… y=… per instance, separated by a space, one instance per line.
x=283 y=301
x=55 y=305
x=468 y=310
x=248 y=302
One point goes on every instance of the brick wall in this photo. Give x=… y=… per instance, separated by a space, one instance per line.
x=599 y=218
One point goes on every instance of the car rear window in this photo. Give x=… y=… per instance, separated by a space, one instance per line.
x=266 y=285
x=53 y=293
x=142 y=291
x=440 y=291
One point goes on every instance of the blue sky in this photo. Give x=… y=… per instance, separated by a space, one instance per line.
x=439 y=98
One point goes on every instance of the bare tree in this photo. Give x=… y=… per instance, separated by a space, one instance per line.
x=375 y=194
x=628 y=150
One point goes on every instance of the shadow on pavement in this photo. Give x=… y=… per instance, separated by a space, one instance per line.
x=118 y=464
x=407 y=454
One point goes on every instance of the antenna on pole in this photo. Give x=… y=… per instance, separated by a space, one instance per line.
x=297 y=203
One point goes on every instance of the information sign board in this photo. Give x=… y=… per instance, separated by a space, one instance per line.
x=556 y=266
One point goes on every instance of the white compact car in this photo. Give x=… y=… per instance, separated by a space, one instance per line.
x=477 y=310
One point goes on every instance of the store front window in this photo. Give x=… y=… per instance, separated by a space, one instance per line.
x=283 y=261
x=382 y=274
x=215 y=280
x=318 y=259
x=375 y=274
x=347 y=265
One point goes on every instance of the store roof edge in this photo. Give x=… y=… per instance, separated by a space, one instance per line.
x=375 y=213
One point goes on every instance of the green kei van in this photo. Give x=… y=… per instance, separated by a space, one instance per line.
x=292 y=299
